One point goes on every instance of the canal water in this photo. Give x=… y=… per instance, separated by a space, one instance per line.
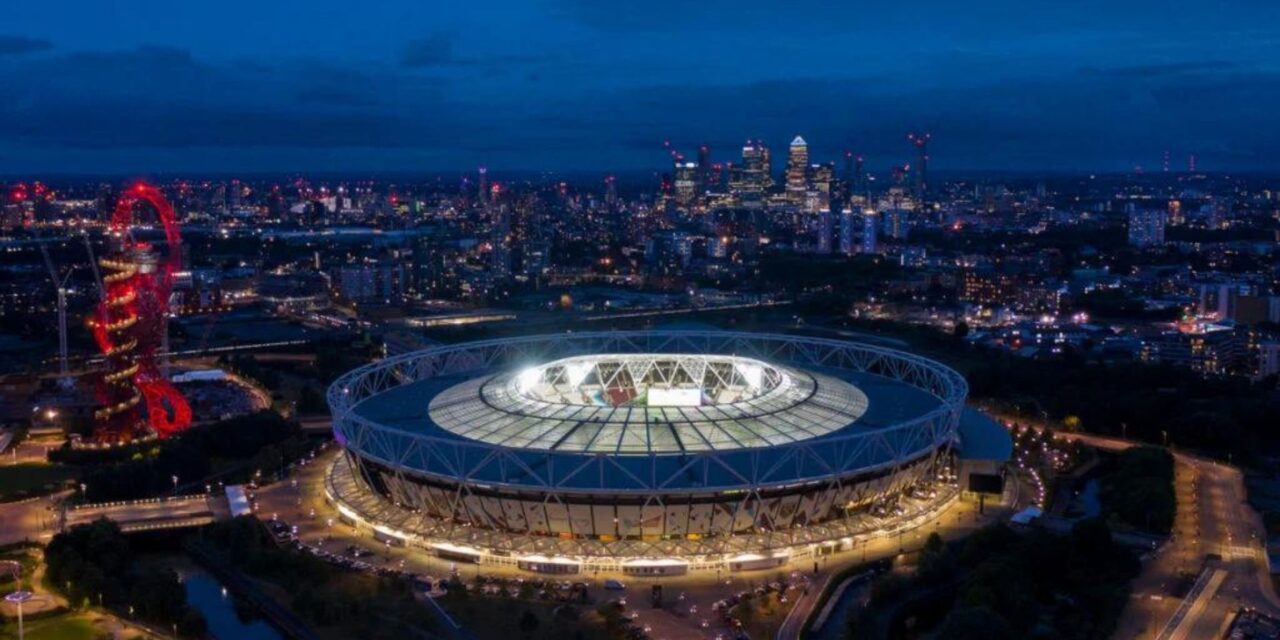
x=837 y=625
x=225 y=622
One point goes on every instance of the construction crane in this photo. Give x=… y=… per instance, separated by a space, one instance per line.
x=60 y=285
x=93 y=263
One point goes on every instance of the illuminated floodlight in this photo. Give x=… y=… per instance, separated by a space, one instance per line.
x=752 y=373
x=527 y=378
x=576 y=372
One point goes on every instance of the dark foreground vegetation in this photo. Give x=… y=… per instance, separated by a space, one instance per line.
x=1001 y=584
x=95 y=564
x=1137 y=489
x=234 y=450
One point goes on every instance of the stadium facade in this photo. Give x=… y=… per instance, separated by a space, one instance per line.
x=644 y=451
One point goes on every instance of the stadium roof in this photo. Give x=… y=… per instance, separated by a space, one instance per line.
x=982 y=438
x=645 y=403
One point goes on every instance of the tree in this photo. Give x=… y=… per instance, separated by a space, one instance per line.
x=974 y=623
x=529 y=623
x=310 y=401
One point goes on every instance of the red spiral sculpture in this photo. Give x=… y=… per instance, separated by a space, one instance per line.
x=129 y=324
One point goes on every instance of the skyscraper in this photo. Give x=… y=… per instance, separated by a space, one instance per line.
x=859 y=178
x=895 y=223
x=704 y=167
x=870 y=224
x=818 y=193
x=686 y=183
x=751 y=180
x=1146 y=227
x=797 y=170
x=610 y=191
x=824 y=231
x=484 y=185
x=848 y=232
x=921 y=185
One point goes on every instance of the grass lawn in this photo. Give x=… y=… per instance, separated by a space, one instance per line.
x=28 y=558
x=31 y=479
x=67 y=627
x=491 y=617
x=765 y=615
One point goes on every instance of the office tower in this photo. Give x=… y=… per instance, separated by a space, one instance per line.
x=752 y=178
x=767 y=157
x=859 y=177
x=818 y=194
x=870 y=224
x=921 y=143
x=704 y=168
x=1146 y=227
x=895 y=223
x=500 y=254
x=797 y=168
x=1175 y=213
x=848 y=232
x=610 y=191
x=824 y=231
x=484 y=185
x=686 y=183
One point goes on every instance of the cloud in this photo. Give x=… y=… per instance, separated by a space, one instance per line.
x=434 y=50
x=109 y=108
x=21 y=45
x=437 y=50
x=1055 y=121
x=1165 y=69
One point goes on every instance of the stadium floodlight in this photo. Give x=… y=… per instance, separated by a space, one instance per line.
x=527 y=378
x=576 y=372
x=752 y=373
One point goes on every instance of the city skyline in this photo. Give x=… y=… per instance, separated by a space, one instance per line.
x=568 y=86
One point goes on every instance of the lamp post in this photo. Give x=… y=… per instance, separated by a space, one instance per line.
x=17 y=598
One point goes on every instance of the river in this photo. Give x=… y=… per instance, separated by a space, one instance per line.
x=206 y=594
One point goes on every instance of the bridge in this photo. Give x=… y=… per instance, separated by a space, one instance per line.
x=134 y=516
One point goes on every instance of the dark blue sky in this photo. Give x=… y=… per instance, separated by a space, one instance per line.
x=151 y=85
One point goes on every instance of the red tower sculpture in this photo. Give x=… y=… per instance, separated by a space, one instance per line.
x=129 y=324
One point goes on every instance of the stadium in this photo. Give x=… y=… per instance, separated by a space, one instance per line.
x=646 y=451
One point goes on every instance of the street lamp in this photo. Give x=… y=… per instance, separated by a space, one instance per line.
x=17 y=598
x=175 y=484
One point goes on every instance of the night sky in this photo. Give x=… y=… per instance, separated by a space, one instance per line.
x=324 y=85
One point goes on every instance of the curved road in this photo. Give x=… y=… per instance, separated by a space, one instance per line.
x=1213 y=517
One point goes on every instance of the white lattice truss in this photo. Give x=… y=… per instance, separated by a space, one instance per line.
x=566 y=379
x=867 y=479
x=364 y=507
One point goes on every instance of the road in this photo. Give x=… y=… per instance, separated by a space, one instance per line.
x=1213 y=517
x=302 y=504
x=34 y=520
x=184 y=509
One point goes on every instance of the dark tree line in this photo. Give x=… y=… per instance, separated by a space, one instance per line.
x=244 y=445
x=1001 y=584
x=321 y=593
x=1156 y=404
x=1138 y=489
x=94 y=564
